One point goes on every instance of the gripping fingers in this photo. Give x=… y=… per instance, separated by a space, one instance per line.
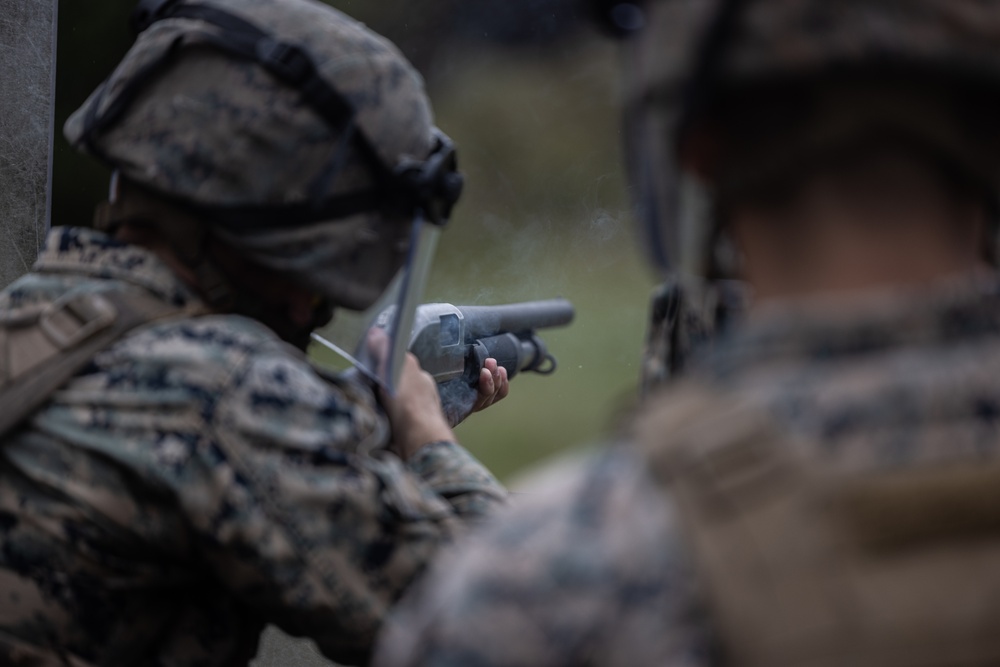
x=493 y=385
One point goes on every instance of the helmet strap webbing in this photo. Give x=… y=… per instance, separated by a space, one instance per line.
x=433 y=185
x=324 y=182
x=288 y=63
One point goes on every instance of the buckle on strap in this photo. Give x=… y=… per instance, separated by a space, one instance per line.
x=434 y=184
x=286 y=61
x=75 y=318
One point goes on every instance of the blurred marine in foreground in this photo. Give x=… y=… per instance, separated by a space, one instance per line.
x=173 y=473
x=821 y=488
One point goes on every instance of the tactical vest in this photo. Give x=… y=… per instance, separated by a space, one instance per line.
x=42 y=347
x=806 y=565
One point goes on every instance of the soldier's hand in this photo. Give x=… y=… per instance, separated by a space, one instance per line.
x=415 y=413
x=493 y=385
x=460 y=400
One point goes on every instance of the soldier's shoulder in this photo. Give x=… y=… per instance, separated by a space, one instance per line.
x=700 y=420
x=212 y=339
x=598 y=496
x=689 y=407
x=265 y=386
x=582 y=508
x=210 y=353
x=685 y=400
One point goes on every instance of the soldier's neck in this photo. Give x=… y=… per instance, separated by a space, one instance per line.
x=854 y=233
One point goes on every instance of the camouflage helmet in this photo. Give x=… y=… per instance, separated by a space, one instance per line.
x=682 y=57
x=296 y=135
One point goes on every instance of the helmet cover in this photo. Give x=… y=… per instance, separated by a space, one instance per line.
x=187 y=120
x=688 y=54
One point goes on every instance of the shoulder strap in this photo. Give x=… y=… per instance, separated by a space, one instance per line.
x=42 y=348
x=808 y=565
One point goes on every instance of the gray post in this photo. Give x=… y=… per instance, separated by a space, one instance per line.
x=279 y=650
x=27 y=75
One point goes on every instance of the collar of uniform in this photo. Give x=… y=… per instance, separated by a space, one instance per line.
x=831 y=327
x=88 y=252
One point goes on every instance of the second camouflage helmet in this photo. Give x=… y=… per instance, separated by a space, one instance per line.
x=683 y=56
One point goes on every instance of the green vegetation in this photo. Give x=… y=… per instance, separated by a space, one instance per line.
x=545 y=215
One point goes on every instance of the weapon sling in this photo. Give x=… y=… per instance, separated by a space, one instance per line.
x=41 y=348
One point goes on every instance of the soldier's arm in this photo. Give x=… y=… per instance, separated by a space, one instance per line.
x=424 y=439
x=307 y=519
x=586 y=568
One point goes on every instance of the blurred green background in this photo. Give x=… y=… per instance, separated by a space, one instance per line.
x=527 y=91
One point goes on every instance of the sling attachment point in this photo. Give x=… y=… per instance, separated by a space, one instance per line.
x=72 y=320
x=41 y=348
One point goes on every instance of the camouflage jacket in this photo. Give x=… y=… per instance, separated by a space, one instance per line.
x=592 y=564
x=198 y=479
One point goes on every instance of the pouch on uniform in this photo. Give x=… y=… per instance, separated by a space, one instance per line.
x=805 y=564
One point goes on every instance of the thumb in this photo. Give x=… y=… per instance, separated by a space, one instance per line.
x=377 y=344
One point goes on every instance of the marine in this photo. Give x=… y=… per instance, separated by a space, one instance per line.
x=818 y=486
x=174 y=472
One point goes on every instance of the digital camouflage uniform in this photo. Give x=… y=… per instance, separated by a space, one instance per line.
x=197 y=479
x=592 y=565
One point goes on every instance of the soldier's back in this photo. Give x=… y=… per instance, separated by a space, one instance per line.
x=835 y=473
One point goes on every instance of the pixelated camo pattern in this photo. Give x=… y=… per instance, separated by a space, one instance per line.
x=197 y=480
x=589 y=566
x=216 y=130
